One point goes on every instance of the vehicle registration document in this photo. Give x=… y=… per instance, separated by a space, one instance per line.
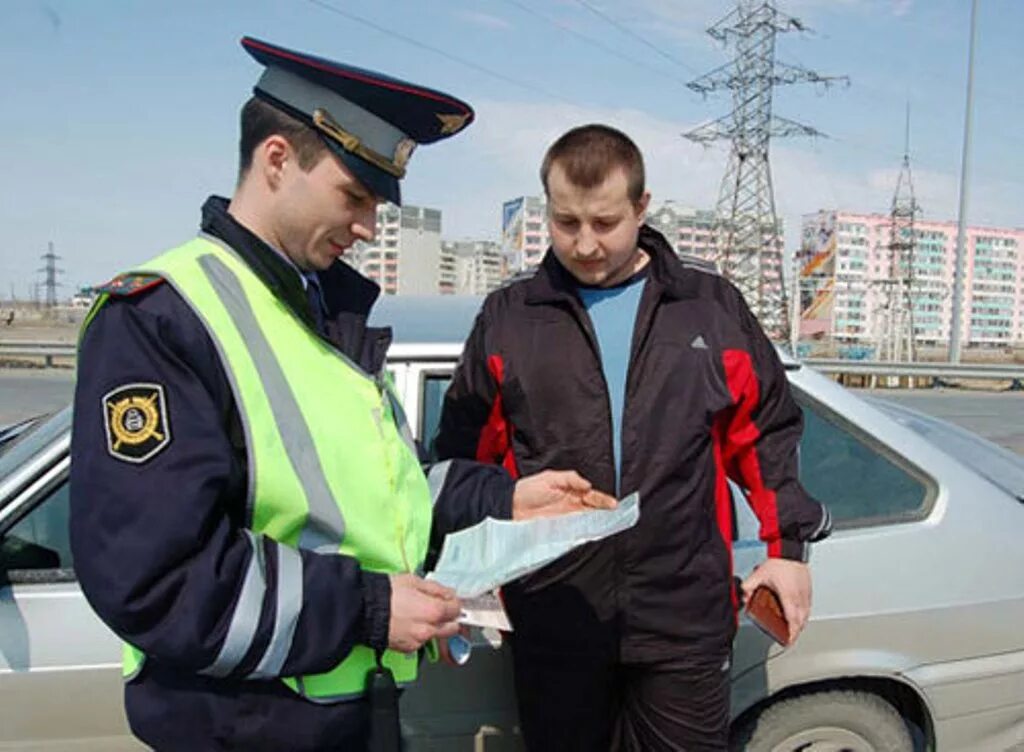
x=485 y=556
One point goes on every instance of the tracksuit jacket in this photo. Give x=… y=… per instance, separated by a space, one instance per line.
x=706 y=400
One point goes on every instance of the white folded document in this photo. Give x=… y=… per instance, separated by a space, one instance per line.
x=485 y=556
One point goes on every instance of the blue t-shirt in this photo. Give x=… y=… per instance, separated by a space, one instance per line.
x=612 y=312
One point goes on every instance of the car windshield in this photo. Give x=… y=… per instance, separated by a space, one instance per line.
x=20 y=449
x=1001 y=466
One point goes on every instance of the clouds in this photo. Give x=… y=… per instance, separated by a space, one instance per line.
x=499 y=157
x=901 y=7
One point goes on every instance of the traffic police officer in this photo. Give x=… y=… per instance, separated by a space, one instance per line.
x=248 y=510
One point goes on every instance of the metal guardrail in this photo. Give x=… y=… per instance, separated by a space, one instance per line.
x=45 y=350
x=943 y=371
x=37 y=348
x=836 y=366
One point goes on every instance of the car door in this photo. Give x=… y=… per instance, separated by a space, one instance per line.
x=60 y=684
x=472 y=707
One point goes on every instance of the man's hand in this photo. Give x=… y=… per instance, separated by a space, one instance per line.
x=791 y=581
x=420 y=611
x=553 y=492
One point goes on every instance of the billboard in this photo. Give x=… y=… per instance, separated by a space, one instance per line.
x=817 y=283
x=513 y=222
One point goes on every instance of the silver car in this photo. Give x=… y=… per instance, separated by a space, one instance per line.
x=915 y=641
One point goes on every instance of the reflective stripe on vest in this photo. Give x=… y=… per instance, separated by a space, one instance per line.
x=332 y=466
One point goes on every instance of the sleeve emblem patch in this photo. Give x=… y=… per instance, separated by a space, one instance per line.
x=135 y=418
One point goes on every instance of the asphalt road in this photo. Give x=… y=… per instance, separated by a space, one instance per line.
x=998 y=416
x=25 y=392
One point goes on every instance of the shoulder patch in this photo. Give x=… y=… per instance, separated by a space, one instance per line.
x=135 y=419
x=129 y=284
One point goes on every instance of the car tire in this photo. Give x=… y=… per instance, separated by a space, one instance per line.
x=854 y=721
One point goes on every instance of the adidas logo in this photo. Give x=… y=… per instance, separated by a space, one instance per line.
x=699 y=343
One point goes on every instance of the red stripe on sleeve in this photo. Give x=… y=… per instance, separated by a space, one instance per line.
x=740 y=445
x=495 y=444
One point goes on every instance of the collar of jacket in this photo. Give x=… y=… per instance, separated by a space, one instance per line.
x=345 y=290
x=348 y=295
x=668 y=277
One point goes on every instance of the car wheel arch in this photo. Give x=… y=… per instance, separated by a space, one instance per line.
x=908 y=699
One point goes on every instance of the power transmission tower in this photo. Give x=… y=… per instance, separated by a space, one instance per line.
x=51 y=271
x=895 y=317
x=748 y=238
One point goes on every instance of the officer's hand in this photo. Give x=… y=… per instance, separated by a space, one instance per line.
x=555 y=492
x=420 y=611
x=791 y=581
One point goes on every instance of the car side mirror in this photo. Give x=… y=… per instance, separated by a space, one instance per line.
x=16 y=553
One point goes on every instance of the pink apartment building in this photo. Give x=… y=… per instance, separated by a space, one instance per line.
x=844 y=258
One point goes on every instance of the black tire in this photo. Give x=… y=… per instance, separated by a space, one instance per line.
x=833 y=720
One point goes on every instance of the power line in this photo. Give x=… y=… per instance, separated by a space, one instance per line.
x=449 y=56
x=638 y=37
x=590 y=40
x=749 y=248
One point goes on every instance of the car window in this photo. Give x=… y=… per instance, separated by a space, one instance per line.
x=37 y=548
x=1001 y=466
x=433 y=388
x=29 y=442
x=860 y=481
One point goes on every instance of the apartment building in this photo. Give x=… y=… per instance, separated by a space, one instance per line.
x=688 y=230
x=691 y=232
x=524 y=231
x=405 y=257
x=477 y=266
x=844 y=262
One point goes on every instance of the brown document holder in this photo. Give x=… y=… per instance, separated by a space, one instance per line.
x=765 y=609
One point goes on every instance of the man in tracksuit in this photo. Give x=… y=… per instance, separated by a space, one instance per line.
x=647 y=375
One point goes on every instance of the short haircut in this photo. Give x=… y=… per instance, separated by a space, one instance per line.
x=590 y=153
x=260 y=120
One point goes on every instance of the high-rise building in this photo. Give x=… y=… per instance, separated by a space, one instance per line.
x=688 y=230
x=477 y=266
x=405 y=256
x=843 y=266
x=524 y=231
x=691 y=233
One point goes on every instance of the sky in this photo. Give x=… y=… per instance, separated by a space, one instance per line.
x=118 y=118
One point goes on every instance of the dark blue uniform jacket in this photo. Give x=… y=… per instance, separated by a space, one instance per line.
x=159 y=545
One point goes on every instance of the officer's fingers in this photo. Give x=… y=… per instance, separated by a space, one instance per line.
x=435 y=589
x=439 y=610
x=570 y=480
x=421 y=633
x=599 y=500
x=448 y=629
x=451 y=610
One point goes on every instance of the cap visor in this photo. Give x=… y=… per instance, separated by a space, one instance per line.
x=376 y=180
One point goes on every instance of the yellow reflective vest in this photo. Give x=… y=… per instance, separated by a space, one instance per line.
x=332 y=466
